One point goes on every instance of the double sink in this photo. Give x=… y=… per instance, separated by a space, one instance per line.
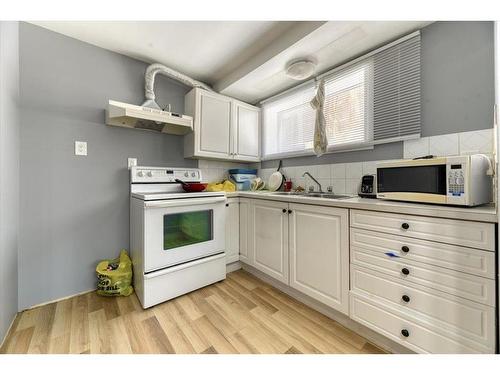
x=313 y=195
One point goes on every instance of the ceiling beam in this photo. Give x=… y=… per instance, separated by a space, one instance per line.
x=290 y=34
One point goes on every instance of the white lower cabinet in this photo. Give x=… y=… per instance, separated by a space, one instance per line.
x=268 y=240
x=430 y=288
x=304 y=246
x=466 y=322
x=319 y=257
x=232 y=230
x=245 y=256
x=426 y=283
x=421 y=339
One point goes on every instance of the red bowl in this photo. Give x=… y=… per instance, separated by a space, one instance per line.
x=194 y=187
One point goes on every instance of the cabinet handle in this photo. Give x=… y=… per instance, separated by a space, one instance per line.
x=284 y=210
x=227 y=204
x=289 y=211
x=405 y=271
x=405 y=249
x=405 y=225
x=406 y=298
x=405 y=332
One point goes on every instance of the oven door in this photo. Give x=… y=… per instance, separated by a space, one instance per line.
x=418 y=183
x=180 y=230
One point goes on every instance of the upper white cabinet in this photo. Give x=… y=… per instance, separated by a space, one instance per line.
x=246 y=131
x=224 y=128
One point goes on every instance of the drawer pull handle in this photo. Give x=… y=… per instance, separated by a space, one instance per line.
x=405 y=332
x=405 y=249
x=405 y=271
x=289 y=211
x=227 y=204
x=284 y=210
x=405 y=225
x=406 y=298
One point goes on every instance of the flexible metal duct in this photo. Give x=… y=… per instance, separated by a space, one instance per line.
x=151 y=73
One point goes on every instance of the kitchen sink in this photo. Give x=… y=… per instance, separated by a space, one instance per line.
x=289 y=193
x=328 y=195
x=313 y=195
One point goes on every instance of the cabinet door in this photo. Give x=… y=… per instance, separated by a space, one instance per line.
x=246 y=131
x=232 y=230
x=245 y=256
x=269 y=238
x=213 y=125
x=319 y=254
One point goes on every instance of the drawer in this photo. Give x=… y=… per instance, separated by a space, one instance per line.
x=457 y=232
x=390 y=323
x=454 y=317
x=474 y=288
x=465 y=259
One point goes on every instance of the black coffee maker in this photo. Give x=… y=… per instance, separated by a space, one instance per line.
x=368 y=186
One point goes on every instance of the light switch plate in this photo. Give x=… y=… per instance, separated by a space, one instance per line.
x=131 y=162
x=80 y=148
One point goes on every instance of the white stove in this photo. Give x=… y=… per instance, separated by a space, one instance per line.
x=177 y=238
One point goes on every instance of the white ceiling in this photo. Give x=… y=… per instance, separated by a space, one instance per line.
x=244 y=59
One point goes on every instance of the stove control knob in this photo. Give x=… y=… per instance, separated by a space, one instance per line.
x=186 y=174
x=193 y=174
x=140 y=174
x=150 y=174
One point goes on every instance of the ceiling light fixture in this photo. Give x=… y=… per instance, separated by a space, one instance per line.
x=300 y=69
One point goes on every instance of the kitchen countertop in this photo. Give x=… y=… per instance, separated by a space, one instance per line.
x=485 y=213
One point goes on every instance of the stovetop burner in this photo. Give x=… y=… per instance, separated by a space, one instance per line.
x=158 y=183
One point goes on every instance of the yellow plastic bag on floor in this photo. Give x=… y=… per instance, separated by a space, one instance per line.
x=115 y=276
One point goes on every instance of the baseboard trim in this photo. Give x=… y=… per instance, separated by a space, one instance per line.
x=58 y=299
x=372 y=336
x=231 y=267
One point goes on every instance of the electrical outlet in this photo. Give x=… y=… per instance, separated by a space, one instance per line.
x=80 y=148
x=132 y=162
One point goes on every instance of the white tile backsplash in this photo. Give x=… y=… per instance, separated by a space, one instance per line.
x=414 y=148
x=476 y=142
x=444 y=145
x=352 y=185
x=338 y=171
x=354 y=170
x=369 y=167
x=338 y=185
x=324 y=171
x=345 y=178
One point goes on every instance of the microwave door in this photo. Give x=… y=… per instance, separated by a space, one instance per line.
x=422 y=183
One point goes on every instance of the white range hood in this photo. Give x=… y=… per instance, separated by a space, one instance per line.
x=140 y=117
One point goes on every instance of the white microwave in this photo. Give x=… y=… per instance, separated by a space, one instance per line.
x=454 y=180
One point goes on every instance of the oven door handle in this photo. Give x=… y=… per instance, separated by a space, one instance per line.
x=183 y=202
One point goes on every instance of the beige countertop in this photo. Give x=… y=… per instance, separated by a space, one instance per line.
x=486 y=213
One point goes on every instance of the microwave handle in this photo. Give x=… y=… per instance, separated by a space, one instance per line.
x=184 y=202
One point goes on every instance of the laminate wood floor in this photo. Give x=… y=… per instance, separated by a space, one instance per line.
x=241 y=314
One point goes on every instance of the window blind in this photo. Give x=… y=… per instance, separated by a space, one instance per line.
x=372 y=99
x=396 y=91
x=347 y=108
x=289 y=122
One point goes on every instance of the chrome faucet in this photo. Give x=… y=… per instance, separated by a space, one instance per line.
x=312 y=178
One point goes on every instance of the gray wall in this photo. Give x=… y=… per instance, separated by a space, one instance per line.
x=9 y=173
x=457 y=89
x=74 y=210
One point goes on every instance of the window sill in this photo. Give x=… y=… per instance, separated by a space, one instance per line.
x=311 y=152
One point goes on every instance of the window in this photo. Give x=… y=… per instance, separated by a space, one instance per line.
x=374 y=99
x=347 y=107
